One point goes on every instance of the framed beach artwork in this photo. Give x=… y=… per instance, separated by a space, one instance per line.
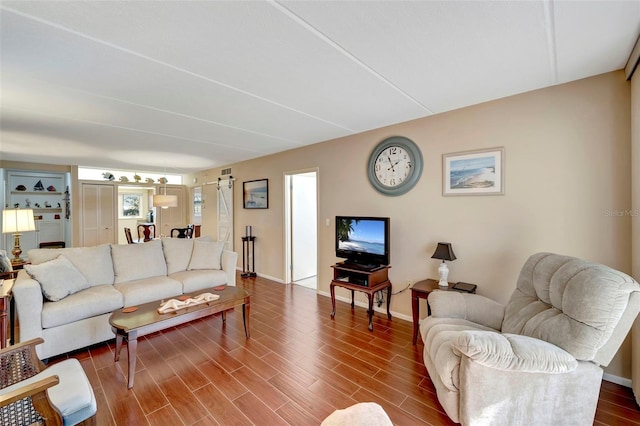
x=255 y=194
x=478 y=172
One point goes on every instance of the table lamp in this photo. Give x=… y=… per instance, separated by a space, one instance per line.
x=16 y=221
x=444 y=252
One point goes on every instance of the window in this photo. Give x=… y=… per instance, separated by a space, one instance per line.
x=131 y=204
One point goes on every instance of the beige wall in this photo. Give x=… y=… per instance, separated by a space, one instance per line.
x=635 y=218
x=567 y=176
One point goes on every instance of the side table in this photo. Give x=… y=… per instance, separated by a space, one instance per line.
x=6 y=308
x=421 y=290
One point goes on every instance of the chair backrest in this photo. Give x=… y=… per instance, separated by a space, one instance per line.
x=146 y=232
x=583 y=307
x=127 y=233
x=181 y=232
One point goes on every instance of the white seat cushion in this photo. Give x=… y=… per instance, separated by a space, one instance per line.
x=88 y=303
x=198 y=279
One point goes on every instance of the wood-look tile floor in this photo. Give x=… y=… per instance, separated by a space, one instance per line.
x=296 y=369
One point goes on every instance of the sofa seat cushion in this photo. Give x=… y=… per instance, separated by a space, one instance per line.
x=439 y=335
x=177 y=252
x=199 y=279
x=148 y=289
x=87 y=303
x=133 y=262
x=93 y=262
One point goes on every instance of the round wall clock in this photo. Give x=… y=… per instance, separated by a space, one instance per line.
x=395 y=166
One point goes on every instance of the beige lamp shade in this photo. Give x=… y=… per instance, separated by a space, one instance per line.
x=17 y=220
x=165 y=201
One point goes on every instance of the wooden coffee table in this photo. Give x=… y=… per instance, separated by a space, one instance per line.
x=146 y=319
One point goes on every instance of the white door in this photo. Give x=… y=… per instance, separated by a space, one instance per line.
x=302 y=228
x=98 y=213
x=224 y=219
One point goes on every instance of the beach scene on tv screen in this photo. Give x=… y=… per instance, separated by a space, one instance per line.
x=361 y=235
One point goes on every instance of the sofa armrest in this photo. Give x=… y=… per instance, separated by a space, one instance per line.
x=471 y=307
x=27 y=295
x=228 y=262
x=513 y=352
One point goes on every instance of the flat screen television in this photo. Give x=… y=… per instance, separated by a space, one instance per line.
x=363 y=240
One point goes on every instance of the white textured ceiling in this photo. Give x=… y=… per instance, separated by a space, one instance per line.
x=192 y=85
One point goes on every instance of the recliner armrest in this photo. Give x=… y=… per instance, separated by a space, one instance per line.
x=513 y=352
x=471 y=307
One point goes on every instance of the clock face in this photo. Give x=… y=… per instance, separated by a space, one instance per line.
x=395 y=166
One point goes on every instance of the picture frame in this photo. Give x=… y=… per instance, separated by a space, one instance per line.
x=130 y=206
x=255 y=194
x=477 y=172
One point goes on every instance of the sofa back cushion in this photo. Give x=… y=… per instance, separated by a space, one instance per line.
x=137 y=261
x=93 y=262
x=583 y=307
x=206 y=255
x=58 y=278
x=177 y=252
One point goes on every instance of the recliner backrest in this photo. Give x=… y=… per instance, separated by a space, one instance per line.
x=583 y=307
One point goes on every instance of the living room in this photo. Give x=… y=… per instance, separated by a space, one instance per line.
x=570 y=161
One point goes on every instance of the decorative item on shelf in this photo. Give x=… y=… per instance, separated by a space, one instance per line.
x=27 y=203
x=108 y=176
x=21 y=188
x=59 y=205
x=137 y=178
x=56 y=216
x=17 y=221
x=67 y=203
x=37 y=217
x=51 y=188
x=149 y=180
x=162 y=180
x=124 y=179
x=37 y=205
x=47 y=205
x=17 y=205
x=444 y=252
x=38 y=186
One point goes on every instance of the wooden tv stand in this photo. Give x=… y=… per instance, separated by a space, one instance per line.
x=368 y=281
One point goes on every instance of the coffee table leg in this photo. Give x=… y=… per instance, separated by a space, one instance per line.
x=118 y=345
x=132 y=349
x=224 y=316
x=245 y=316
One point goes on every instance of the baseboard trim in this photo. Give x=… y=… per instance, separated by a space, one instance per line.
x=622 y=381
x=364 y=305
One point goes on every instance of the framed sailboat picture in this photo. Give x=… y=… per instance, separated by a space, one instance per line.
x=255 y=194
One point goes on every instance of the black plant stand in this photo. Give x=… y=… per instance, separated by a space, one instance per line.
x=248 y=271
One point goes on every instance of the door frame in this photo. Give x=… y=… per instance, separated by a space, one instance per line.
x=287 y=218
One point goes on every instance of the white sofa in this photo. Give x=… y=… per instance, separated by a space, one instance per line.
x=67 y=295
x=538 y=360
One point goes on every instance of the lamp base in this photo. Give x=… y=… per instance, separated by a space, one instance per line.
x=444 y=275
x=17 y=251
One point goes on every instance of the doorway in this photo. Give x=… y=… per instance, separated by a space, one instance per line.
x=301 y=228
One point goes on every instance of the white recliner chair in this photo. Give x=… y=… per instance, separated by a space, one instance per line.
x=537 y=360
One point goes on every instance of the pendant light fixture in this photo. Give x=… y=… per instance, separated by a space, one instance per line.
x=163 y=200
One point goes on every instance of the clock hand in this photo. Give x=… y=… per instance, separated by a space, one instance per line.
x=391 y=168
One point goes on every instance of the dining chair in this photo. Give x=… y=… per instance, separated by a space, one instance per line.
x=127 y=233
x=146 y=232
x=181 y=232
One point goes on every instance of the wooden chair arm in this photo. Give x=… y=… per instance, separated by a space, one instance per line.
x=28 y=390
